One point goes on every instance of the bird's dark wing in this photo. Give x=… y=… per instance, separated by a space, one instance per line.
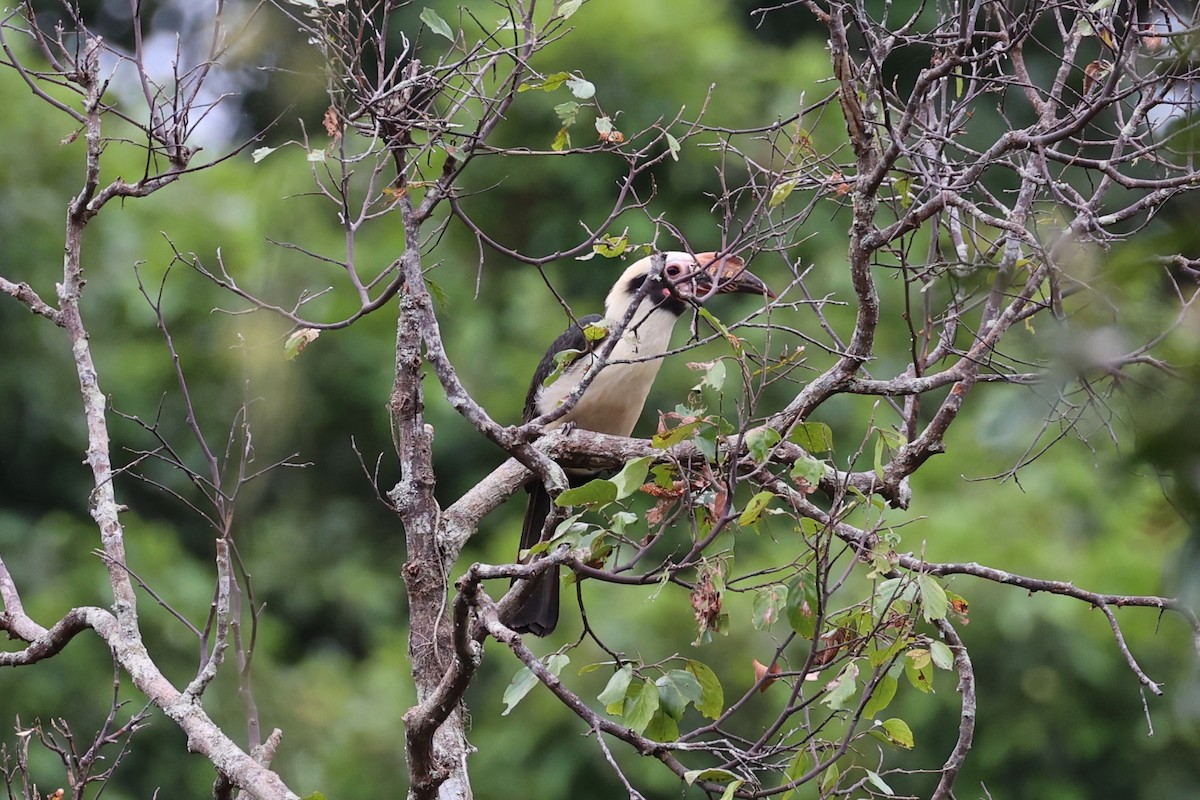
x=570 y=339
x=538 y=614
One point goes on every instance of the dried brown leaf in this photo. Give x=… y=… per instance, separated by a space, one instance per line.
x=706 y=602
x=762 y=671
x=332 y=123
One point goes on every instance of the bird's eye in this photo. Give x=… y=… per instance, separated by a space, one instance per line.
x=674 y=271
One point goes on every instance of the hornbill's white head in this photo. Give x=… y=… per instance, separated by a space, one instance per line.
x=684 y=279
x=662 y=286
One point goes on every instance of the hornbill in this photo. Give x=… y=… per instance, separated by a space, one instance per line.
x=663 y=286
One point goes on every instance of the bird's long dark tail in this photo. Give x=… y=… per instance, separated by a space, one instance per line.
x=538 y=614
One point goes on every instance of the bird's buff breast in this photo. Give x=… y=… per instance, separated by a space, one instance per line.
x=612 y=402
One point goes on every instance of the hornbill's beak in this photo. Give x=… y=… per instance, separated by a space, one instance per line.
x=729 y=275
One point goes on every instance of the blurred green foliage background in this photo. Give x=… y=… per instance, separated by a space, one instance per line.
x=1060 y=714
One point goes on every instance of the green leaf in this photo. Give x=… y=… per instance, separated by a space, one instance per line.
x=631 y=477
x=711 y=774
x=918 y=668
x=815 y=437
x=437 y=24
x=570 y=525
x=712 y=696
x=883 y=555
x=676 y=435
x=584 y=90
x=562 y=140
x=673 y=703
x=618 y=684
x=640 y=705
x=664 y=475
x=299 y=340
x=547 y=84
x=567 y=9
x=568 y=112
x=879 y=783
x=920 y=657
x=438 y=294
x=520 y=686
x=892 y=592
x=903 y=189
x=780 y=193
x=677 y=688
x=807 y=471
x=315 y=796
x=883 y=655
x=714 y=375
x=759 y=442
x=711 y=318
x=801 y=605
x=673 y=147
x=881 y=698
x=611 y=246
x=800 y=764
x=595 y=331
x=934 y=603
x=754 y=509
x=688 y=685
x=898 y=733
x=592 y=547
x=556 y=662
x=705 y=441
x=662 y=728
x=839 y=691
x=562 y=360
x=597 y=490
x=887 y=442
x=810 y=527
x=316 y=155
x=621 y=520
x=731 y=789
x=830 y=778
x=769 y=602
x=941 y=655
x=262 y=152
